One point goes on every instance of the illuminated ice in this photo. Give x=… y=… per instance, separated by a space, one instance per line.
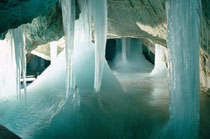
x=184 y=84
x=68 y=15
x=99 y=13
x=160 y=63
x=130 y=57
x=46 y=100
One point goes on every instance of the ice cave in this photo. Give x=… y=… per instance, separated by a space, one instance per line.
x=105 y=69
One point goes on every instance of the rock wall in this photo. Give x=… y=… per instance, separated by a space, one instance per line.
x=16 y=12
x=44 y=29
x=6 y=134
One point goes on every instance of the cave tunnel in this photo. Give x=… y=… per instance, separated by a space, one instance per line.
x=104 y=69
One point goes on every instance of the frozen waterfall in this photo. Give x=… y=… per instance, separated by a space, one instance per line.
x=183 y=44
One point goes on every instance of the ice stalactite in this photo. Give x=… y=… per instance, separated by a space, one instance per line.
x=160 y=66
x=68 y=14
x=184 y=85
x=18 y=46
x=99 y=13
x=53 y=51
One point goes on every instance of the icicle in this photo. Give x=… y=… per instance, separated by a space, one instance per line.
x=183 y=45
x=99 y=12
x=68 y=14
x=17 y=43
x=53 y=51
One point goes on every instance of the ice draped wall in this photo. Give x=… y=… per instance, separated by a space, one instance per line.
x=184 y=85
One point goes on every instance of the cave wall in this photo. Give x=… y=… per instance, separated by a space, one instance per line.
x=16 y=12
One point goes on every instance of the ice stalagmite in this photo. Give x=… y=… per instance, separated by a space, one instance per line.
x=17 y=43
x=68 y=14
x=99 y=12
x=183 y=45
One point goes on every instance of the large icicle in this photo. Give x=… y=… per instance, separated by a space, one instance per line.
x=68 y=14
x=17 y=43
x=99 y=12
x=183 y=45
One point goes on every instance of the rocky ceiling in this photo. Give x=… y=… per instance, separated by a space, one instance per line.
x=126 y=18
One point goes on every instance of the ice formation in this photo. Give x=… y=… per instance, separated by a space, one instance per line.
x=68 y=14
x=183 y=45
x=13 y=63
x=96 y=10
x=53 y=51
x=160 y=65
x=129 y=56
x=18 y=45
x=124 y=45
x=46 y=101
x=99 y=13
x=7 y=70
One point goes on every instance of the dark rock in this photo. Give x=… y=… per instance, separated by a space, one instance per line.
x=7 y=134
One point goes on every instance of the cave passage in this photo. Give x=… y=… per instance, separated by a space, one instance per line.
x=128 y=95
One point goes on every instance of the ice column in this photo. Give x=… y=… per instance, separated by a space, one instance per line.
x=99 y=12
x=160 y=66
x=183 y=45
x=124 y=50
x=68 y=14
x=53 y=51
x=18 y=45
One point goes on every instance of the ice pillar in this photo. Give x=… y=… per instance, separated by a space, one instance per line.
x=183 y=45
x=124 y=57
x=160 y=66
x=68 y=14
